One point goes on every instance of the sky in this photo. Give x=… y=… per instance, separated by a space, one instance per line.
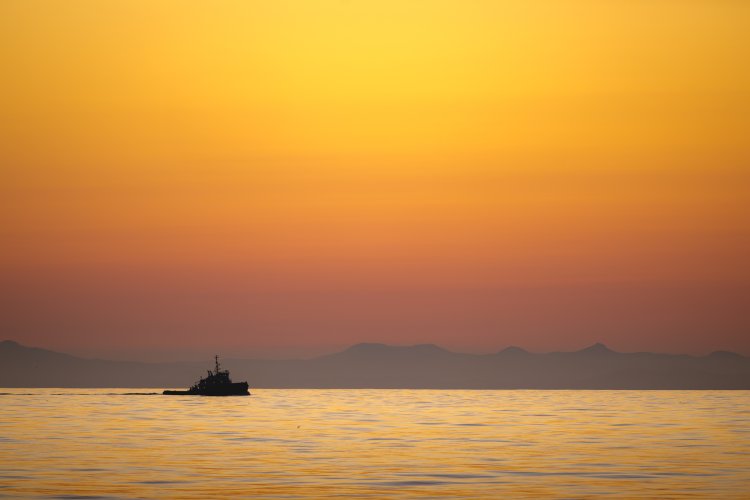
x=286 y=178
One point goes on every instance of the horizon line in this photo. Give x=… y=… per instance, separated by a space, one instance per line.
x=592 y=348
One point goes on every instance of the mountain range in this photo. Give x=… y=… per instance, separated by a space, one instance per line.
x=424 y=366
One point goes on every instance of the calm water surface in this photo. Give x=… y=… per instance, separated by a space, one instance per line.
x=61 y=443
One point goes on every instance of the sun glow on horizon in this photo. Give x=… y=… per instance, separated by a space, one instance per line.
x=474 y=174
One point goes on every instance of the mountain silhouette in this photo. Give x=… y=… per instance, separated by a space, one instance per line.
x=366 y=351
x=597 y=349
x=513 y=351
x=371 y=365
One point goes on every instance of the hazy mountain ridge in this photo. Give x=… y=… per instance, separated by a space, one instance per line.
x=383 y=366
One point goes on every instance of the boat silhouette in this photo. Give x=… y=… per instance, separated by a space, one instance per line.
x=216 y=383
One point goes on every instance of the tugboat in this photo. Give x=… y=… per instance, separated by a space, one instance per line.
x=217 y=383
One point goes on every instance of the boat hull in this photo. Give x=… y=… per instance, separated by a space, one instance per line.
x=234 y=389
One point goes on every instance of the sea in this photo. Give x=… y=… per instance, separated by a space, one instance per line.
x=282 y=443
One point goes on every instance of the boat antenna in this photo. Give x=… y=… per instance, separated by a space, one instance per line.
x=216 y=357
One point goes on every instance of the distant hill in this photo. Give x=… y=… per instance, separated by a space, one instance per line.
x=382 y=366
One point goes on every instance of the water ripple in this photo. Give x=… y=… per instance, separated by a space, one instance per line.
x=105 y=443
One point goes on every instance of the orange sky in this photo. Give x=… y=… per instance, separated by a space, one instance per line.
x=288 y=177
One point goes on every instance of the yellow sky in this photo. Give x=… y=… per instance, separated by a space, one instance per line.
x=378 y=144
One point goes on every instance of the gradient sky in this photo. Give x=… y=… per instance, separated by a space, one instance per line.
x=283 y=178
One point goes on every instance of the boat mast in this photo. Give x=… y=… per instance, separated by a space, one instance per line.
x=216 y=357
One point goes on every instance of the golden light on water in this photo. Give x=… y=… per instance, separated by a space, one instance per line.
x=376 y=443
